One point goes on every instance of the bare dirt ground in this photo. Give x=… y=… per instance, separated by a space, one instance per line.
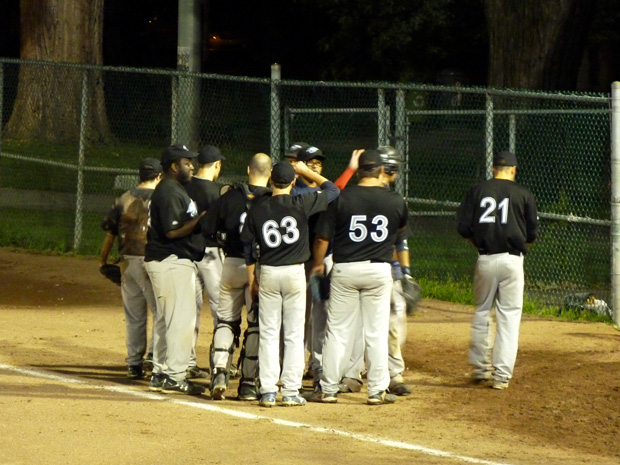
x=64 y=397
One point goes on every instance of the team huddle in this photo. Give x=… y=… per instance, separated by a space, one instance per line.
x=318 y=266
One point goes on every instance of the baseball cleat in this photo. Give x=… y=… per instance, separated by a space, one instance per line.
x=181 y=387
x=135 y=372
x=400 y=389
x=247 y=392
x=157 y=382
x=195 y=372
x=499 y=384
x=293 y=401
x=381 y=398
x=268 y=400
x=218 y=386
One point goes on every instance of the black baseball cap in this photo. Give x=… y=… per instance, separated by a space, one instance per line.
x=294 y=149
x=210 y=154
x=370 y=159
x=282 y=173
x=150 y=166
x=310 y=153
x=505 y=159
x=175 y=152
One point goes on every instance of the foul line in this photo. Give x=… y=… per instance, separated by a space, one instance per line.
x=251 y=416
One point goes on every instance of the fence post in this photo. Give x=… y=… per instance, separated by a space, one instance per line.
x=615 y=200
x=79 y=196
x=512 y=133
x=276 y=76
x=383 y=121
x=489 y=136
x=400 y=142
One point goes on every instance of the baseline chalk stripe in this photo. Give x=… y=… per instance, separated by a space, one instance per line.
x=251 y=416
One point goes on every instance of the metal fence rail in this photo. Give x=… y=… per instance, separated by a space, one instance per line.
x=447 y=134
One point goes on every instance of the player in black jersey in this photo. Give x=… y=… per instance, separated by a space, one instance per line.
x=225 y=219
x=204 y=191
x=499 y=217
x=279 y=226
x=364 y=224
x=169 y=260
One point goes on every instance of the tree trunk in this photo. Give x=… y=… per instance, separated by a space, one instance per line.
x=536 y=44
x=48 y=103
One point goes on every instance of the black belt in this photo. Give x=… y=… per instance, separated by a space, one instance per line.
x=511 y=252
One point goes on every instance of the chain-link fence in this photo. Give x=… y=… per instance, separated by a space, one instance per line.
x=73 y=136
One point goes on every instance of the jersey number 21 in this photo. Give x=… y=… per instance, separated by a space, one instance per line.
x=488 y=216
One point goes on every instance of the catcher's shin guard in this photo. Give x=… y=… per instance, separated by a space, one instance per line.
x=225 y=341
x=248 y=360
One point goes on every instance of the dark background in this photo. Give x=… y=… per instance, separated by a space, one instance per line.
x=310 y=43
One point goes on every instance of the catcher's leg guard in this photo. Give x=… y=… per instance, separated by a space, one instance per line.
x=225 y=340
x=248 y=360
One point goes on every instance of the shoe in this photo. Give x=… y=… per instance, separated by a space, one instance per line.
x=234 y=372
x=499 y=384
x=267 y=400
x=181 y=387
x=157 y=381
x=247 y=392
x=350 y=385
x=148 y=362
x=135 y=372
x=400 y=389
x=381 y=398
x=483 y=378
x=308 y=374
x=319 y=396
x=195 y=372
x=218 y=384
x=293 y=401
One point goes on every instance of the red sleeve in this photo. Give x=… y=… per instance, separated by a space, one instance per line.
x=342 y=181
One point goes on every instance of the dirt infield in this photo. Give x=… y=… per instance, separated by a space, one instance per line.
x=64 y=397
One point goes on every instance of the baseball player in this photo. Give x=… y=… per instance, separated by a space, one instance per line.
x=204 y=191
x=225 y=219
x=170 y=257
x=279 y=227
x=127 y=221
x=352 y=380
x=364 y=224
x=499 y=217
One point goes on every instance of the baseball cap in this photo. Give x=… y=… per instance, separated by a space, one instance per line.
x=282 y=173
x=309 y=153
x=505 y=159
x=150 y=166
x=294 y=149
x=210 y=154
x=175 y=152
x=370 y=158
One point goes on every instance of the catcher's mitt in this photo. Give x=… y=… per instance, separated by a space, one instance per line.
x=411 y=292
x=112 y=272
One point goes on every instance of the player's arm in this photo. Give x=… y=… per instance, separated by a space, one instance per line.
x=349 y=171
x=187 y=228
x=106 y=248
x=319 y=250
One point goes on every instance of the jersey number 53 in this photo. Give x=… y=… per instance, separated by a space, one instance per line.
x=358 y=229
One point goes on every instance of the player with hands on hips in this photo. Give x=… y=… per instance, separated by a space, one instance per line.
x=364 y=223
x=128 y=221
x=279 y=226
x=500 y=218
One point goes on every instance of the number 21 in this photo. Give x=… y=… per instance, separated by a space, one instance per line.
x=491 y=205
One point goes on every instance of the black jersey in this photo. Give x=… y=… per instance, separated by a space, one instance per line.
x=363 y=224
x=227 y=216
x=279 y=225
x=128 y=220
x=204 y=192
x=500 y=216
x=171 y=207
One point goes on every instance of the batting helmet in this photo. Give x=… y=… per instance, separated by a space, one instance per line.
x=392 y=158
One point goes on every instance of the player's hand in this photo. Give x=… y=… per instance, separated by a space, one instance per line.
x=301 y=168
x=355 y=158
x=318 y=270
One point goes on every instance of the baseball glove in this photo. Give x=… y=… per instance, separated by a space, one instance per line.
x=411 y=292
x=112 y=272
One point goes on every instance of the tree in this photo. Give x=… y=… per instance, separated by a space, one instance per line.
x=48 y=103
x=537 y=44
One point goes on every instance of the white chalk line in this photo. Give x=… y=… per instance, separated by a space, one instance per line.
x=251 y=416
